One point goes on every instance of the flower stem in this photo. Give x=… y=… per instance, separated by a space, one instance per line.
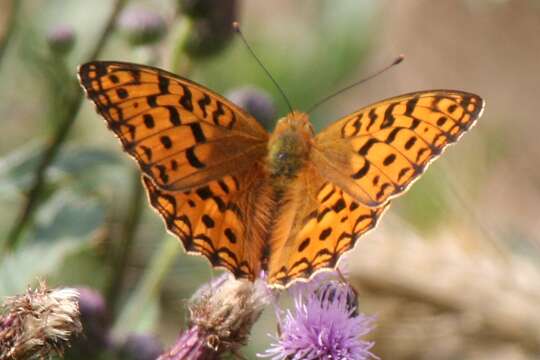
x=129 y=229
x=55 y=144
x=149 y=285
x=180 y=63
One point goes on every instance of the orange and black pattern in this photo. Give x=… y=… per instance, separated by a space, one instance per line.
x=196 y=151
x=327 y=224
x=204 y=164
x=219 y=220
x=181 y=134
x=377 y=152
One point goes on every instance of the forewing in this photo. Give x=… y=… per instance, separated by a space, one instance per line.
x=181 y=134
x=375 y=153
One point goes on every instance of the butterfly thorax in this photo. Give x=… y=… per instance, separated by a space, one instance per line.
x=289 y=147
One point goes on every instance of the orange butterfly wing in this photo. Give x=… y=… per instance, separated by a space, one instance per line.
x=356 y=166
x=200 y=155
x=318 y=223
x=181 y=134
x=375 y=153
x=224 y=220
x=203 y=161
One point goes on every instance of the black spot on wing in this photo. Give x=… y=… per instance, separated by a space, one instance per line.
x=186 y=98
x=197 y=132
x=193 y=159
x=361 y=172
x=203 y=103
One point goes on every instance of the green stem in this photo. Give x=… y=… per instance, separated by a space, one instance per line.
x=148 y=287
x=54 y=145
x=180 y=63
x=129 y=230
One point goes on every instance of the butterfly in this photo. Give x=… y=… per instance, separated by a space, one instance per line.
x=285 y=204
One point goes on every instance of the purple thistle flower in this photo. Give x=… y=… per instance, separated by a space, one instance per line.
x=324 y=325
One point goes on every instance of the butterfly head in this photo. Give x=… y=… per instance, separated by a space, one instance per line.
x=289 y=146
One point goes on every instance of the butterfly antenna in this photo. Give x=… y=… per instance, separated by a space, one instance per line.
x=398 y=60
x=236 y=27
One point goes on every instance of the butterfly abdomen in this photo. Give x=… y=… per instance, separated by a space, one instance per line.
x=289 y=147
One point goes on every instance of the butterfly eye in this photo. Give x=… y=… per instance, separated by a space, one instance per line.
x=308 y=127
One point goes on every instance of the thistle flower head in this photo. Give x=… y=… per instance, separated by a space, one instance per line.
x=221 y=316
x=38 y=323
x=325 y=324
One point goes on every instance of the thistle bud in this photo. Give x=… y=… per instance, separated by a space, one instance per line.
x=212 y=33
x=257 y=103
x=61 y=39
x=141 y=26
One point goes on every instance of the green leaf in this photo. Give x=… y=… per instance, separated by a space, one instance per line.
x=68 y=215
x=74 y=161
x=30 y=263
x=18 y=168
x=64 y=225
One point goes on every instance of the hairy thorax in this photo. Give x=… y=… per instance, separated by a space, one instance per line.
x=289 y=148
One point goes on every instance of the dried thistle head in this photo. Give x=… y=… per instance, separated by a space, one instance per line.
x=38 y=323
x=226 y=309
x=221 y=316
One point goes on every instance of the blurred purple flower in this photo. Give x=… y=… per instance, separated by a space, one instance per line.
x=141 y=347
x=257 y=103
x=141 y=26
x=95 y=323
x=325 y=324
x=61 y=39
